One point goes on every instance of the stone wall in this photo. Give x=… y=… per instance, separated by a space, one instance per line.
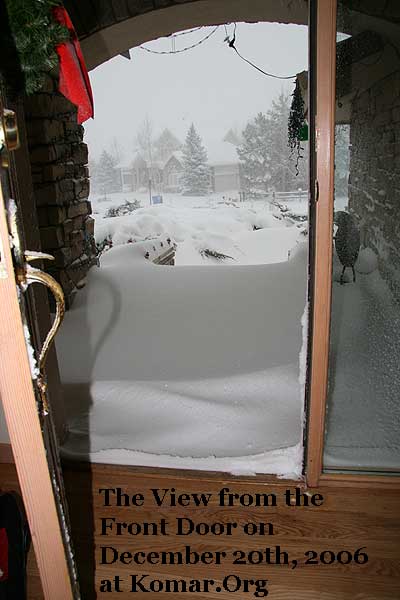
x=374 y=184
x=61 y=186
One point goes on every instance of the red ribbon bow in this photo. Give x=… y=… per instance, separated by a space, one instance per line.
x=74 y=81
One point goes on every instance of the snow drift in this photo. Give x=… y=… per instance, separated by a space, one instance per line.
x=182 y=366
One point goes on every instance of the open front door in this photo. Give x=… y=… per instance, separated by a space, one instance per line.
x=23 y=383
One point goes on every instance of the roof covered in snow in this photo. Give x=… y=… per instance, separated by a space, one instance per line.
x=178 y=155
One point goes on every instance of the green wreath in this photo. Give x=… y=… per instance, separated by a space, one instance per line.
x=36 y=35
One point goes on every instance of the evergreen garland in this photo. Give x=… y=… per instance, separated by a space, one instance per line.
x=36 y=36
x=297 y=124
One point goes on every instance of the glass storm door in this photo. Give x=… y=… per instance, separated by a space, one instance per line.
x=363 y=410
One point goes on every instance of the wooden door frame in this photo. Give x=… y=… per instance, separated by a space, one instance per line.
x=325 y=93
x=21 y=413
x=322 y=252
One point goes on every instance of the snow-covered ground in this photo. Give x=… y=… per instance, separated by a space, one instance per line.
x=217 y=222
x=197 y=365
x=364 y=381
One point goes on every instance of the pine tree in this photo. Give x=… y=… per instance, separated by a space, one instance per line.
x=196 y=173
x=166 y=144
x=255 y=155
x=108 y=179
x=94 y=175
x=267 y=159
x=282 y=169
x=285 y=175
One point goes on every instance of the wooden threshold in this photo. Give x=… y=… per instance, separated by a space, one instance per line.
x=326 y=479
x=182 y=474
x=186 y=475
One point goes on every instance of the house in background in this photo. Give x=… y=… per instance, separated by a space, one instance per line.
x=126 y=175
x=173 y=172
x=135 y=173
x=224 y=165
x=166 y=174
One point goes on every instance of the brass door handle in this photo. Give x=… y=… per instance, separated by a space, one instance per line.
x=26 y=276
x=9 y=136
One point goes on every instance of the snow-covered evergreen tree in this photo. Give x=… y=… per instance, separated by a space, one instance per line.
x=285 y=175
x=107 y=176
x=196 y=173
x=255 y=155
x=94 y=175
x=267 y=160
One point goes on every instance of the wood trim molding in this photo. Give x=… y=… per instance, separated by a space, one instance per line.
x=324 y=143
x=341 y=480
x=23 y=425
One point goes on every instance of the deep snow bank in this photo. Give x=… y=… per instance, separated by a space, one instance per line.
x=187 y=362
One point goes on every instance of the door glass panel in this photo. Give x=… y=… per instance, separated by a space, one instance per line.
x=186 y=348
x=363 y=419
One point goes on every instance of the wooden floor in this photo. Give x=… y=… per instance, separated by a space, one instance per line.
x=349 y=518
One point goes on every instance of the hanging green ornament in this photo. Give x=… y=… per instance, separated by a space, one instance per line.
x=297 y=126
x=303 y=133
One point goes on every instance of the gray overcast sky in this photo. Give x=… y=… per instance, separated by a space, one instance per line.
x=208 y=85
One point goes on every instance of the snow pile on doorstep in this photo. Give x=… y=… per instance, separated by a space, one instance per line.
x=285 y=462
x=184 y=367
x=364 y=391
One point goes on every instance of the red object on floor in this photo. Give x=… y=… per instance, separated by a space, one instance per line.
x=3 y=555
x=74 y=79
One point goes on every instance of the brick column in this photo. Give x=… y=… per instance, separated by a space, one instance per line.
x=61 y=186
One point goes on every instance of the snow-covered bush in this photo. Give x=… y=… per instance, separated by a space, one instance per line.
x=126 y=208
x=219 y=256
